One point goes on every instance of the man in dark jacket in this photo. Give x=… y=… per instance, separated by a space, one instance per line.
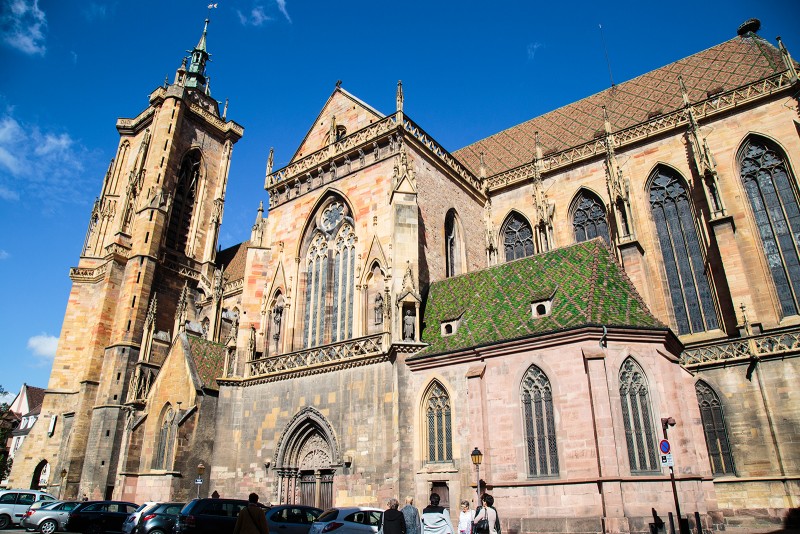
x=393 y=521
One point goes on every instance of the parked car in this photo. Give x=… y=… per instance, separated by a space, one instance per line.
x=212 y=516
x=158 y=519
x=14 y=504
x=133 y=519
x=99 y=516
x=350 y=520
x=48 y=518
x=291 y=518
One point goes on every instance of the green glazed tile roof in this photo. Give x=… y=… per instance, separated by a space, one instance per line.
x=209 y=360
x=586 y=283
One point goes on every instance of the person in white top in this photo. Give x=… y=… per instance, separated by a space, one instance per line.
x=487 y=511
x=465 y=518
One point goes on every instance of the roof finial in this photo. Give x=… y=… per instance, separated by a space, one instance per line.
x=399 y=95
x=269 y=160
x=338 y=84
x=787 y=60
x=225 y=109
x=684 y=92
x=196 y=74
x=606 y=121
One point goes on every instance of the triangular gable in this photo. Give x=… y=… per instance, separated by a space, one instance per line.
x=350 y=112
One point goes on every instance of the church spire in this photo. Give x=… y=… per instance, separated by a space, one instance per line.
x=196 y=73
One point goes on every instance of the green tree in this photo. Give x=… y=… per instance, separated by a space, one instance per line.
x=5 y=431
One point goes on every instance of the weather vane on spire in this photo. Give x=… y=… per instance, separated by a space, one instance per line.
x=210 y=7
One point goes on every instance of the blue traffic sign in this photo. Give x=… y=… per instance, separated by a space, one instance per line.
x=664 y=446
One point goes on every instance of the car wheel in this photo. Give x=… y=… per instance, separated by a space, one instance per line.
x=156 y=531
x=48 y=527
x=5 y=521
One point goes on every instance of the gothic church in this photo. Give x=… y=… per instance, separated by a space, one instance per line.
x=559 y=296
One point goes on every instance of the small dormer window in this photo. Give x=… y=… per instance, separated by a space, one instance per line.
x=449 y=328
x=541 y=308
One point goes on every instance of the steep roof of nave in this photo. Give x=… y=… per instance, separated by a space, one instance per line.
x=723 y=67
x=584 y=282
x=233 y=259
x=208 y=358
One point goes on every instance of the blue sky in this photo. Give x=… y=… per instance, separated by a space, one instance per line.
x=68 y=69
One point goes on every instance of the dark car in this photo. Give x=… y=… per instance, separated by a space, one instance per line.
x=291 y=518
x=99 y=516
x=157 y=519
x=212 y=516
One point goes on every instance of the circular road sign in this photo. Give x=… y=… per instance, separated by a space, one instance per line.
x=664 y=446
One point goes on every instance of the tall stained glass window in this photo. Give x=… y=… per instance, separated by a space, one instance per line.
x=589 y=219
x=540 y=428
x=687 y=279
x=439 y=442
x=719 y=449
x=771 y=190
x=637 y=417
x=517 y=237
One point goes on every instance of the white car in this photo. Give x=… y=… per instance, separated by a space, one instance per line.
x=349 y=520
x=14 y=504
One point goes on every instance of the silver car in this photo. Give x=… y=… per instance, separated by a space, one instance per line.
x=349 y=520
x=48 y=518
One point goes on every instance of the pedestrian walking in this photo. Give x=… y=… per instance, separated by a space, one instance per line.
x=411 y=514
x=435 y=518
x=465 y=518
x=486 y=520
x=393 y=521
x=252 y=519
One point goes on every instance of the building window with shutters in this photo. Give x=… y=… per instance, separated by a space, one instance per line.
x=771 y=190
x=438 y=436
x=539 y=424
x=683 y=257
x=719 y=449
x=637 y=418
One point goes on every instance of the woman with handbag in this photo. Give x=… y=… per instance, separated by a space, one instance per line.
x=486 y=520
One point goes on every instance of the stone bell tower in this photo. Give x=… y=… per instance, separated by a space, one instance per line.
x=152 y=230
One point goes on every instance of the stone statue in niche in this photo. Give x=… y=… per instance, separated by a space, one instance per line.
x=408 y=326
x=277 y=315
x=378 y=309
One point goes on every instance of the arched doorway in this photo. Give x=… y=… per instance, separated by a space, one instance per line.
x=306 y=461
x=41 y=476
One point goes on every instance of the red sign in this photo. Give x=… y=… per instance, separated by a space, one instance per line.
x=663 y=445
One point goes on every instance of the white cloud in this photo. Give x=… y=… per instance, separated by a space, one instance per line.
x=8 y=398
x=42 y=165
x=23 y=25
x=532 y=48
x=256 y=17
x=282 y=7
x=4 y=255
x=43 y=347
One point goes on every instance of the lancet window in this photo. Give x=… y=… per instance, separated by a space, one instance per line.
x=589 y=219
x=719 y=449
x=183 y=202
x=689 y=287
x=771 y=190
x=540 y=428
x=438 y=430
x=166 y=440
x=454 y=245
x=636 y=415
x=330 y=277
x=517 y=237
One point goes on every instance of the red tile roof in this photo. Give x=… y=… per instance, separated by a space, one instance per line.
x=209 y=360
x=723 y=67
x=233 y=259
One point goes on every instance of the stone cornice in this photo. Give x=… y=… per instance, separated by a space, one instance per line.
x=135 y=125
x=705 y=109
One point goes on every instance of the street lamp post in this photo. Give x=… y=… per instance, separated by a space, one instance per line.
x=201 y=470
x=477 y=458
x=665 y=423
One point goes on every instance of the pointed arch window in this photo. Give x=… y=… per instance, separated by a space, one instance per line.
x=454 y=245
x=438 y=432
x=330 y=277
x=689 y=287
x=719 y=448
x=540 y=428
x=517 y=237
x=589 y=219
x=183 y=202
x=637 y=418
x=166 y=440
x=770 y=188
